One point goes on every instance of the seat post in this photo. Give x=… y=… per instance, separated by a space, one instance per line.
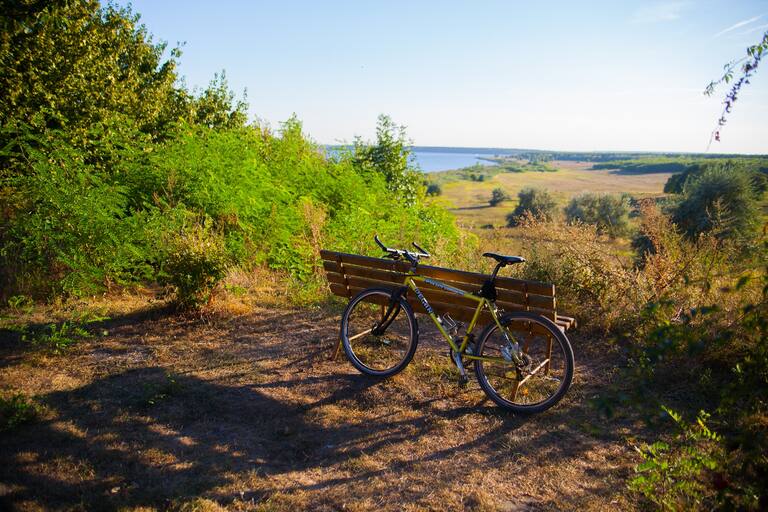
x=496 y=271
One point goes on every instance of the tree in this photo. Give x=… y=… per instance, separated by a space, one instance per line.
x=87 y=71
x=434 y=189
x=498 y=196
x=390 y=156
x=719 y=200
x=533 y=201
x=69 y=64
x=610 y=213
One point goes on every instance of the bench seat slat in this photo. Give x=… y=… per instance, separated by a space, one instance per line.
x=443 y=302
x=538 y=302
x=463 y=314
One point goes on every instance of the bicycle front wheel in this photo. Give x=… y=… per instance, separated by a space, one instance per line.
x=546 y=371
x=379 y=340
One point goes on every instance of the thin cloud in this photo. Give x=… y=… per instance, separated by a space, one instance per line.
x=754 y=29
x=739 y=25
x=659 y=12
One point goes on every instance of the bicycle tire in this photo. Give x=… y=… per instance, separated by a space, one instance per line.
x=564 y=365
x=405 y=340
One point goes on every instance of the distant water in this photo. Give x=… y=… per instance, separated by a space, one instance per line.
x=432 y=161
x=435 y=158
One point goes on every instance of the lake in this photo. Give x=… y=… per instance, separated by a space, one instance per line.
x=435 y=158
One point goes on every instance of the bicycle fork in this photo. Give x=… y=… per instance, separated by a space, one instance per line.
x=511 y=351
x=393 y=309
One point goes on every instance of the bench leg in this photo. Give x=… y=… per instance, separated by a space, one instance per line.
x=336 y=351
x=515 y=389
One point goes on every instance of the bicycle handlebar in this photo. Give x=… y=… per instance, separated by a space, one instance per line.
x=396 y=254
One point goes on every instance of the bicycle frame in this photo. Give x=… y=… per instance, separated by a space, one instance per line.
x=410 y=281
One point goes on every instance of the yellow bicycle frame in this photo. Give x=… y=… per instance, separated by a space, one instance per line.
x=410 y=281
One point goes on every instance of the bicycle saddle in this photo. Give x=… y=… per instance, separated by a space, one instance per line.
x=504 y=260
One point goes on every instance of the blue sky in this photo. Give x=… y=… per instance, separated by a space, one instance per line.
x=546 y=75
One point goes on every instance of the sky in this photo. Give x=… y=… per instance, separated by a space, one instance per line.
x=577 y=76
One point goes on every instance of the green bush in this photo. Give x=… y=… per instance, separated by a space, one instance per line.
x=498 y=195
x=721 y=200
x=16 y=410
x=535 y=202
x=680 y=476
x=756 y=168
x=389 y=156
x=434 y=189
x=57 y=338
x=610 y=213
x=195 y=259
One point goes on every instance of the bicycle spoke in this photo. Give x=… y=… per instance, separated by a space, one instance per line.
x=377 y=342
x=539 y=378
x=356 y=336
x=532 y=373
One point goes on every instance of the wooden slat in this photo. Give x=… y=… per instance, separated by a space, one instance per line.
x=449 y=300
x=507 y=296
x=339 y=289
x=462 y=313
x=568 y=321
x=333 y=277
x=441 y=273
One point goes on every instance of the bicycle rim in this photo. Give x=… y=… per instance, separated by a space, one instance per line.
x=547 y=370
x=370 y=350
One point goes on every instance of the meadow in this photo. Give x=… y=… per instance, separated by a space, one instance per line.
x=468 y=199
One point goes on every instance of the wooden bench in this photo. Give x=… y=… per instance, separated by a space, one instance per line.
x=348 y=274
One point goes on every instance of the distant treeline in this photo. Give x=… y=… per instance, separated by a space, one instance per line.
x=625 y=156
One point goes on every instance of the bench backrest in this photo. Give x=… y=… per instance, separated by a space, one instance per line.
x=348 y=274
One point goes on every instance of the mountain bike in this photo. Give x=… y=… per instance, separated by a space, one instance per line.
x=523 y=361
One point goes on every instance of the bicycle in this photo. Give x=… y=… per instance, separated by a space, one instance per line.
x=514 y=359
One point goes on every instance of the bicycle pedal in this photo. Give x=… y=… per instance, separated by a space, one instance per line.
x=463 y=381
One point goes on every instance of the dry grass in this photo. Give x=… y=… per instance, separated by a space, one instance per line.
x=243 y=411
x=469 y=199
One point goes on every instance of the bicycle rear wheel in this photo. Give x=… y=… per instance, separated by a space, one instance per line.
x=376 y=343
x=547 y=369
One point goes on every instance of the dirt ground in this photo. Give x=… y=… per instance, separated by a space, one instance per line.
x=247 y=412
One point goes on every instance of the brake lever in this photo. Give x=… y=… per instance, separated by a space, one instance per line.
x=383 y=247
x=424 y=251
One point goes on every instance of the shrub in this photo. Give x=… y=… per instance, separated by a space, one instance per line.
x=16 y=410
x=610 y=213
x=434 y=189
x=66 y=226
x=535 y=202
x=57 y=338
x=722 y=201
x=680 y=476
x=611 y=292
x=390 y=156
x=195 y=259
x=498 y=195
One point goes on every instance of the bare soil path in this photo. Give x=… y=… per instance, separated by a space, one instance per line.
x=248 y=413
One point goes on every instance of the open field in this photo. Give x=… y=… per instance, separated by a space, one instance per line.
x=469 y=199
x=247 y=412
